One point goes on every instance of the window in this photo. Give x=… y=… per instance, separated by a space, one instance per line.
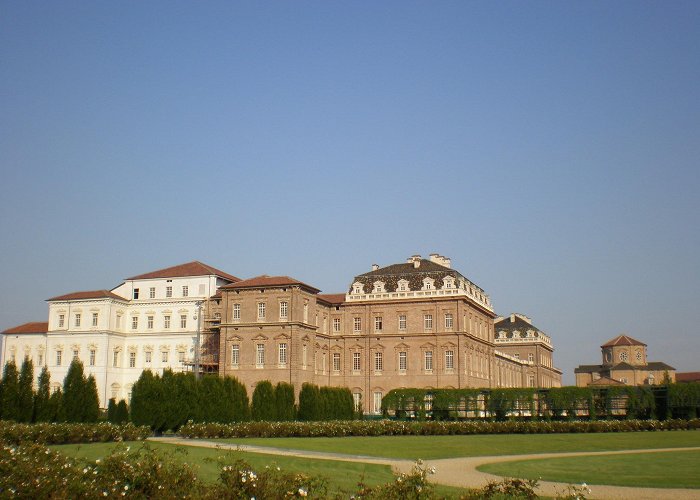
x=132 y=360
x=402 y=322
x=377 y=323
x=93 y=355
x=304 y=358
x=428 y=321
x=185 y=290
x=260 y=355
x=183 y=321
x=134 y=322
x=61 y=320
x=357 y=324
x=152 y=292
x=403 y=285
x=356 y=365
x=428 y=360
x=448 y=321
x=403 y=361
x=181 y=356
x=531 y=357
x=149 y=322
x=136 y=293
x=639 y=355
x=336 y=361
x=41 y=361
x=166 y=321
x=261 y=310
x=77 y=320
x=336 y=324
x=357 y=400
x=282 y=354
x=449 y=360
x=236 y=311
x=306 y=312
x=75 y=355
x=164 y=356
x=115 y=359
x=531 y=381
x=235 y=354
x=59 y=358
x=168 y=291
x=147 y=357
x=377 y=402
x=623 y=356
x=119 y=321
x=378 y=362
x=94 y=319
x=283 y=310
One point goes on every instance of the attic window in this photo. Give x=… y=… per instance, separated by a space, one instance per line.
x=428 y=284
x=358 y=288
x=403 y=285
x=378 y=287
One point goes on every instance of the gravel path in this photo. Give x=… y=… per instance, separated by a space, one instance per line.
x=462 y=471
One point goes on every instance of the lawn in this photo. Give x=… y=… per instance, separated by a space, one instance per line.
x=677 y=469
x=434 y=447
x=341 y=476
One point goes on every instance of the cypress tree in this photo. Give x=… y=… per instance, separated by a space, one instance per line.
x=142 y=398
x=238 y=395
x=121 y=413
x=57 y=410
x=91 y=410
x=211 y=399
x=284 y=402
x=111 y=411
x=263 y=401
x=309 y=402
x=42 y=408
x=74 y=392
x=10 y=392
x=25 y=392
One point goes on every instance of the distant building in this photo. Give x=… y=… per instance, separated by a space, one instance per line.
x=517 y=337
x=624 y=363
x=685 y=377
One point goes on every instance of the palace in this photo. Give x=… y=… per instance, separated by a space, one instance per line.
x=419 y=323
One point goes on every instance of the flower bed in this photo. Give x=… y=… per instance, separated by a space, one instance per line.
x=399 y=428
x=14 y=433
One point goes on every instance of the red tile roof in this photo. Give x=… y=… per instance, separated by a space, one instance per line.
x=92 y=294
x=194 y=268
x=332 y=298
x=268 y=281
x=687 y=376
x=622 y=340
x=34 y=327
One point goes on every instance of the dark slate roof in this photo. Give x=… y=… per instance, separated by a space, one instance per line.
x=589 y=368
x=390 y=276
x=33 y=327
x=519 y=324
x=622 y=340
x=659 y=365
x=603 y=381
x=194 y=268
x=92 y=294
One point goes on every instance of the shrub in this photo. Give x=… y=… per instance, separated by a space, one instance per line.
x=284 y=402
x=263 y=406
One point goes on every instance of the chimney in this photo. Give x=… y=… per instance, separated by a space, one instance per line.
x=415 y=260
x=375 y=267
x=440 y=260
x=512 y=318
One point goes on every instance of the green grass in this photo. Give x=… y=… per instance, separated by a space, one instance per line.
x=678 y=469
x=433 y=447
x=341 y=476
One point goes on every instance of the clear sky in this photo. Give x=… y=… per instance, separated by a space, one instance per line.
x=550 y=148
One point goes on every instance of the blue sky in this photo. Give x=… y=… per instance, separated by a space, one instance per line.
x=549 y=148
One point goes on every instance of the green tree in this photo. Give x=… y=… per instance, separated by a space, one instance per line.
x=121 y=413
x=284 y=402
x=57 y=411
x=25 y=392
x=10 y=392
x=42 y=409
x=91 y=410
x=74 y=392
x=309 y=402
x=146 y=401
x=238 y=395
x=263 y=407
x=111 y=410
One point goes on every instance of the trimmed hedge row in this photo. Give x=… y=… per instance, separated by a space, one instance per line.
x=434 y=428
x=44 y=433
